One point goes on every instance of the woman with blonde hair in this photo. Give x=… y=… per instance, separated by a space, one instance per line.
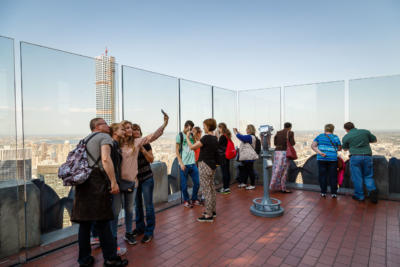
x=249 y=154
x=117 y=133
x=131 y=147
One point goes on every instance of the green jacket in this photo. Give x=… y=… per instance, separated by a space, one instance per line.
x=357 y=141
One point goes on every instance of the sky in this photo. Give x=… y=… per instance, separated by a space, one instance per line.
x=232 y=44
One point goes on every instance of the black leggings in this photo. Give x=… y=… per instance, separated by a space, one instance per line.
x=226 y=175
x=247 y=170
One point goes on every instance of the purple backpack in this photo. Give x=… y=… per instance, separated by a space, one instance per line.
x=76 y=169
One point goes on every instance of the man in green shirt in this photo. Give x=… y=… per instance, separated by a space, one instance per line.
x=357 y=141
x=187 y=164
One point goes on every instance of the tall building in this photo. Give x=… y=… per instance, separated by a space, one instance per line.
x=105 y=88
x=13 y=165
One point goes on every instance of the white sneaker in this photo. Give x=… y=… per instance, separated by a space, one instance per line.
x=94 y=241
x=250 y=187
x=241 y=185
x=222 y=190
x=121 y=251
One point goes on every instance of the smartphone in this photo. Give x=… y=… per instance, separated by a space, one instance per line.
x=163 y=112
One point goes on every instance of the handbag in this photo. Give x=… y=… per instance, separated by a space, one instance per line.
x=247 y=151
x=126 y=186
x=340 y=160
x=290 y=151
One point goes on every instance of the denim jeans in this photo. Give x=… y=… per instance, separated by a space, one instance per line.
x=327 y=172
x=361 y=169
x=194 y=173
x=145 y=189
x=125 y=200
x=106 y=240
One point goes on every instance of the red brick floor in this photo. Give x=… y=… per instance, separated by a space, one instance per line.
x=312 y=232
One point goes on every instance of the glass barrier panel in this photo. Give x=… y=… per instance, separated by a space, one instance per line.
x=374 y=105
x=196 y=102
x=12 y=238
x=61 y=92
x=225 y=106
x=144 y=95
x=309 y=108
x=260 y=107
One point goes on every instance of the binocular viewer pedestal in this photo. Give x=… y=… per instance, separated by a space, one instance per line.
x=266 y=206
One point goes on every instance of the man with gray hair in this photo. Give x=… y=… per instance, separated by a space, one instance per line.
x=93 y=198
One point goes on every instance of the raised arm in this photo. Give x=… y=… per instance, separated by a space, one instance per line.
x=154 y=136
x=194 y=146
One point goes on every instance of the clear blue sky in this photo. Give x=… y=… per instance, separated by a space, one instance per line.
x=233 y=44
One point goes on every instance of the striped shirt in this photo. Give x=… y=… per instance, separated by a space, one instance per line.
x=325 y=146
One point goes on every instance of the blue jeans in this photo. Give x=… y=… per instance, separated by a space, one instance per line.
x=146 y=189
x=125 y=200
x=194 y=173
x=361 y=169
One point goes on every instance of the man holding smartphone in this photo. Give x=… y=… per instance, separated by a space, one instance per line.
x=187 y=164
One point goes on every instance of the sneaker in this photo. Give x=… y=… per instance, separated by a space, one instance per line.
x=373 y=196
x=94 y=241
x=214 y=214
x=116 y=262
x=136 y=232
x=334 y=196
x=88 y=263
x=205 y=219
x=250 y=187
x=186 y=204
x=147 y=238
x=222 y=190
x=130 y=238
x=226 y=191
x=121 y=251
x=323 y=195
x=241 y=185
x=196 y=203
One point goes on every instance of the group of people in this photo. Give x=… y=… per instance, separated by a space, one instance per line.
x=327 y=145
x=120 y=159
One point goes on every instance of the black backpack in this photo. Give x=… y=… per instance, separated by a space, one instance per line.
x=258 y=146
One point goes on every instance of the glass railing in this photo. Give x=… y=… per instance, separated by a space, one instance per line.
x=144 y=95
x=62 y=91
x=12 y=237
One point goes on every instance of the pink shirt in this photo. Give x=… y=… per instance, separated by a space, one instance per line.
x=129 y=166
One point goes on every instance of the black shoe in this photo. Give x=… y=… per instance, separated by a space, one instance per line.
x=147 y=238
x=214 y=214
x=89 y=262
x=373 y=196
x=136 y=232
x=117 y=262
x=323 y=194
x=205 y=219
x=356 y=198
x=130 y=238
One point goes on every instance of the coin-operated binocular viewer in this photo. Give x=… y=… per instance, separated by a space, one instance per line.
x=266 y=206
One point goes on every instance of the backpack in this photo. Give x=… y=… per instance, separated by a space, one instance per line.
x=76 y=169
x=230 y=151
x=181 y=143
x=258 y=146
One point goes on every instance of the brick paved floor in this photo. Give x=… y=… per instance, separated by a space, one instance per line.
x=312 y=232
